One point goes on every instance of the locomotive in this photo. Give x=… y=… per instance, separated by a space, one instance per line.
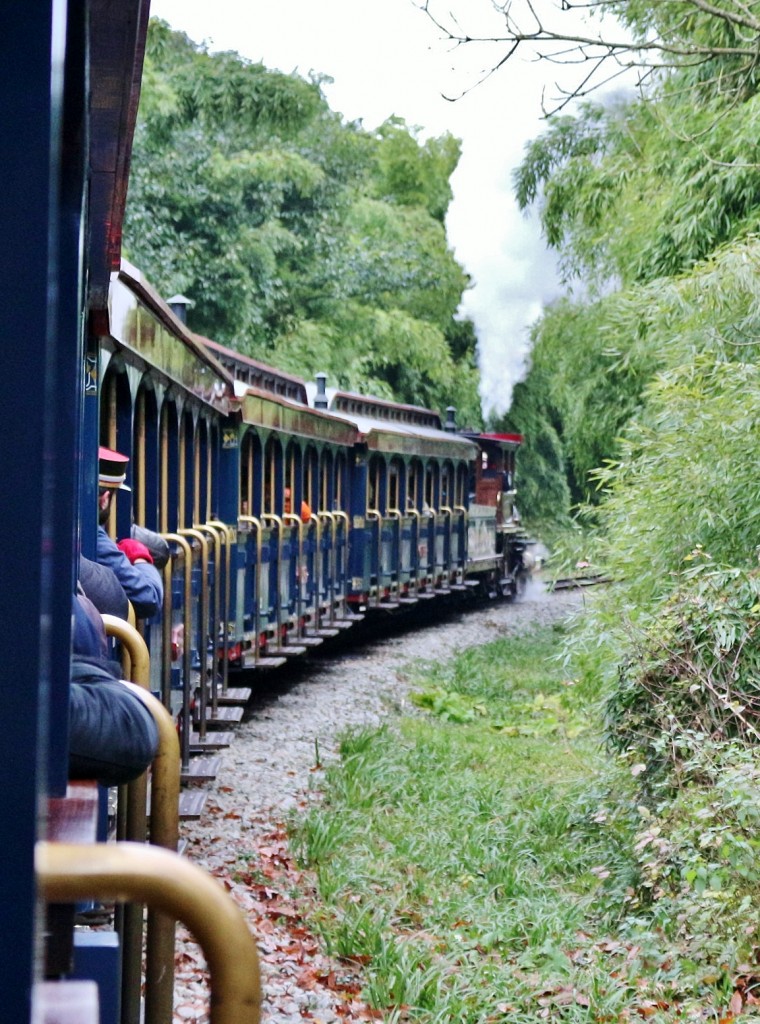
x=292 y=510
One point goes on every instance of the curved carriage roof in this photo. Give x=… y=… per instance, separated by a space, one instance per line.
x=396 y=428
x=255 y=374
x=142 y=323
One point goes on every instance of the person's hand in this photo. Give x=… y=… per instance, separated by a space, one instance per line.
x=135 y=550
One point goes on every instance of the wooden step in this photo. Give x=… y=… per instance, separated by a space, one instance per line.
x=231 y=713
x=212 y=741
x=201 y=768
x=191 y=804
x=291 y=651
x=426 y=595
x=407 y=600
x=324 y=633
x=234 y=695
x=310 y=641
x=249 y=661
x=457 y=586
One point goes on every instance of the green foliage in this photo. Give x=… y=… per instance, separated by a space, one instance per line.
x=694 y=669
x=297 y=236
x=479 y=875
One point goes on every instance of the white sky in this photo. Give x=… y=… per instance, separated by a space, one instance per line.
x=386 y=57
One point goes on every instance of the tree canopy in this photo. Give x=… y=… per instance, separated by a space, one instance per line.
x=301 y=240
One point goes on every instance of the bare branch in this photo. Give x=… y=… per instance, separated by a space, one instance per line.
x=572 y=45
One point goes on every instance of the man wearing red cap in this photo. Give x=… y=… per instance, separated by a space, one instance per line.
x=130 y=559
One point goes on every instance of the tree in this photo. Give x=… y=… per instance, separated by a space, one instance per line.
x=302 y=240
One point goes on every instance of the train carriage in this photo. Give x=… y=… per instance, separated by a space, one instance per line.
x=408 y=514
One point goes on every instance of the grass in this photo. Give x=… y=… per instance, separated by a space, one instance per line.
x=475 y=862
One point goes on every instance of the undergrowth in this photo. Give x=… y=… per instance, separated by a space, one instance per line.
x=486 y=859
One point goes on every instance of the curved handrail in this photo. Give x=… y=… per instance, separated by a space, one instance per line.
x=396 y=513
x=417 y=515
x=340 y=514
x=462 y=536
x=226 y=538
x=266 y=517
x=297 y=521
x=447 y=511
x=189 y=531
x=184 y=544
x=374 y=513
x=329 y=585
x=164 y=831
x=172 y=885
x=212 y=623
x=258 y=526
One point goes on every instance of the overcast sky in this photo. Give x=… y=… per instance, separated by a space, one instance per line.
x=386 y=57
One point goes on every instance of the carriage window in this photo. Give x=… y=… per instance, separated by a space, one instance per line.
x=393 y=487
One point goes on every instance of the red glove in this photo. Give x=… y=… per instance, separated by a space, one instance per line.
x=135 y=550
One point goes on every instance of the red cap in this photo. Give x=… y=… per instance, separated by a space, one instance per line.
x=112 y=470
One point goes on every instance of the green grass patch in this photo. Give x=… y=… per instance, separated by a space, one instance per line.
x=476 y=862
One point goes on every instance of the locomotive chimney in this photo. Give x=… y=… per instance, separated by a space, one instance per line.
x=451 y=419
x=320 y=399
x=179 y=305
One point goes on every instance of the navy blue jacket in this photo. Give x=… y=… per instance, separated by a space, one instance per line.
x=112 y=735
x=141 y=582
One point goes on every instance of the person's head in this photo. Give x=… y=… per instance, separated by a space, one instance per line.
x=112 y=475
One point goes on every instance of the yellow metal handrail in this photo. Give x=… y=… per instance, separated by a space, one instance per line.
x=446 y=510
x=344 y=516
x=289 y=517
x=172 y=885
x=373 y=513
x=226 y=538
x=258 y=526
x=202 y=626
x=164 y=831
x=330 y=518
x=395 y=513
x=417 y=515
x=213 y=613
x=265 y=517
x=463 y=537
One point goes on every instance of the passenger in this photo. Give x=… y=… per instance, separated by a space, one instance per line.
x=113 y=737
x=130 y=559
x=102 y=587
x=305 y=507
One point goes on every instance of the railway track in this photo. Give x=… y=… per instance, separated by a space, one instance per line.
x=576 y=582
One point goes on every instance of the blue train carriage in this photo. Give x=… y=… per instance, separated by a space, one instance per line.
x=288 y=483
x=69 y=87
x=409 y=478
x=167 y=403
x=499 y=557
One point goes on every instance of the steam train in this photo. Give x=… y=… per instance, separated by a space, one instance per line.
x=291 y=510
x=226 y=454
